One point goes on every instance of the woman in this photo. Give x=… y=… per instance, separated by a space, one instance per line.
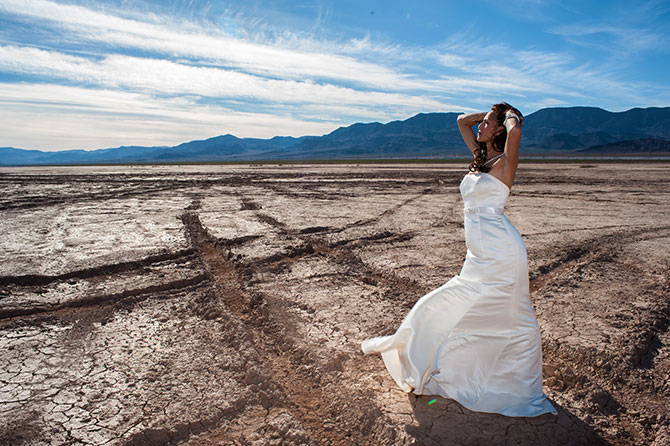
x=476 y=339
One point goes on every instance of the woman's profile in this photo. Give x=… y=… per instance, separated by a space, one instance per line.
x=476 y=339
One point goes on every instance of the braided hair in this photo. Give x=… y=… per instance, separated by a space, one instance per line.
x=498 y=142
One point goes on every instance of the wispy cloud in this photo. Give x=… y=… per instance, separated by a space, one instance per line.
x=167 y=80
x=206 y=44
x=615 y=39
x=523 y=73
x=255 y=69
x=74 y=117
x=166 y=77
x=549 y=102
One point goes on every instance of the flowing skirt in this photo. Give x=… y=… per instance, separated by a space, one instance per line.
x=475 y=339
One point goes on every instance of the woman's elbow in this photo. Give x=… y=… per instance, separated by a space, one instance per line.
x=460 y=120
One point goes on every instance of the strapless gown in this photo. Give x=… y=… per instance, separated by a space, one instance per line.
x=475 y=339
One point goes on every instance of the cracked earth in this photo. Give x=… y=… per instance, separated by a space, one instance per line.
x=225 y=305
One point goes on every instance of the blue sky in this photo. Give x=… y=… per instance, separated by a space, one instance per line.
x=93 y=74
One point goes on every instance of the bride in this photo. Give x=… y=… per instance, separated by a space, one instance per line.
x=476 y=339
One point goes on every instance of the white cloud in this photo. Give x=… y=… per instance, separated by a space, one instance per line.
x=548 y=102
x=163 y=77
x=292 y=66
x=530 y=74
x=55 y=117
x=452 y=60
x=210 y=44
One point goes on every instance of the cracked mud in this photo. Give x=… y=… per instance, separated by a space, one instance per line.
x=207 y=305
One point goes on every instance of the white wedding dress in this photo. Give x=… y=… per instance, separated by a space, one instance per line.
x=475 y=339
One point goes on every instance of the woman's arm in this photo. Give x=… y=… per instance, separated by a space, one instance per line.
x=465 y=123
x=511 y=158
x=513 y=126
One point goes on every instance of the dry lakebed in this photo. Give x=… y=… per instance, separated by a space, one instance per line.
x=225 y=304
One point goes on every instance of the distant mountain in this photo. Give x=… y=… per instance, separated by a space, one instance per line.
x=11 y=156
x=573 y=128
x=426 y=134
x=648 y=146
x=551 y=131
x=227 y=147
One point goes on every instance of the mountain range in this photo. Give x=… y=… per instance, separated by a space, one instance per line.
x=554 y=132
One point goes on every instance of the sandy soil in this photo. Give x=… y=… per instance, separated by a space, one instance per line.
x=203 y=305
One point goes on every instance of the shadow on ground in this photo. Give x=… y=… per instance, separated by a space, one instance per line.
x=446 y=422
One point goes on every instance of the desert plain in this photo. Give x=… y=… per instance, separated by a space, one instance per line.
x=225 y=304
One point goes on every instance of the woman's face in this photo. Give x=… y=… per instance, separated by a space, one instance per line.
x=488 y=128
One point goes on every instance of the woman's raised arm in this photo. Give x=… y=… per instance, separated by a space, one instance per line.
x=512 y=124
x=465 y=123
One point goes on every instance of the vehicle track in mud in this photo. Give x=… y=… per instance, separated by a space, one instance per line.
x=622 y=354
x=282 y=362
x=246 y=328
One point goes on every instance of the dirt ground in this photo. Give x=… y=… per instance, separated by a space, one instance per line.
x=207 y=305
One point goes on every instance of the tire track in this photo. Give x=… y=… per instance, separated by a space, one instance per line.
x=389 y=211
x=594 y=228
x=13 y=284
x=591 y=253
x=304 y=396
x=290 y=365
x=41 y=202
x=607 y=380
x=37 y=280
x=587 y=251
x=330 y=230
x=100 y=300
x=123 y=186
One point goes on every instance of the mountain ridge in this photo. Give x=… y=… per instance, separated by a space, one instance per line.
x=549 y=131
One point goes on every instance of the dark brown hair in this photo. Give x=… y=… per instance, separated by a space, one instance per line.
x=498 y=141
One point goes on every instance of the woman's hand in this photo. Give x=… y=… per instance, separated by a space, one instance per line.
x=511 y=120
x=513 y=113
